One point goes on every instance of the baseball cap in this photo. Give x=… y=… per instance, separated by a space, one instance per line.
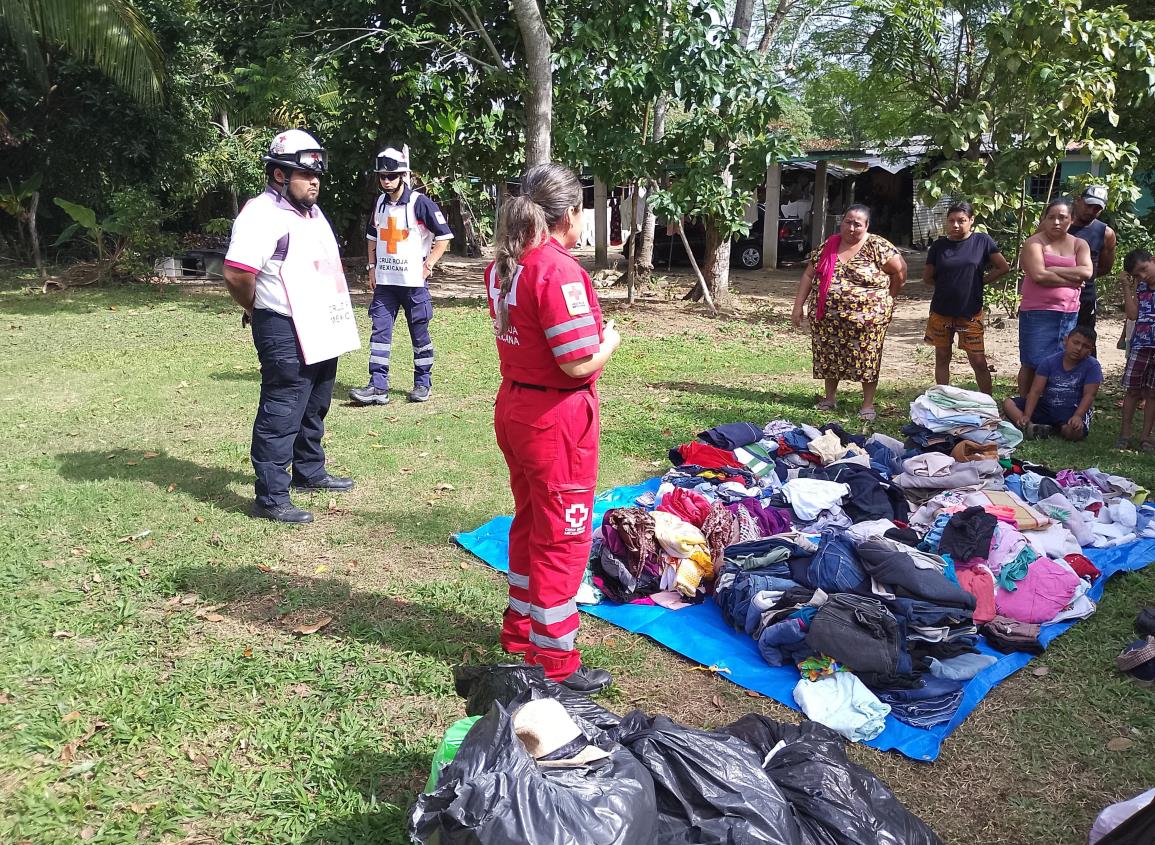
x=1095 y=195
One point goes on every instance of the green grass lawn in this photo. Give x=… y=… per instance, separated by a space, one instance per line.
x=155 y=685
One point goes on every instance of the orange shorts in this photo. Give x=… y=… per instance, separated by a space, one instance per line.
x=940 y=332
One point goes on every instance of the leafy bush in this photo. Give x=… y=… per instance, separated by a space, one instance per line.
x=129 y=240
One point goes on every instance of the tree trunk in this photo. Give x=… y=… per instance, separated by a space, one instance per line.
x=772 y=25
x=643 y=256
x=716 y=263
x=539 y=79
x=34 y=237
x=743 y=17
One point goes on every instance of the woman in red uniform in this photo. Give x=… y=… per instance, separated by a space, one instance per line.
x=552 y=347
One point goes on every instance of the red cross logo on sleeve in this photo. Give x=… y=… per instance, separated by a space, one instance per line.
x=392 y=234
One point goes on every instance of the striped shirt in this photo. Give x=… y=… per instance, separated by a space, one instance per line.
x=554 y=318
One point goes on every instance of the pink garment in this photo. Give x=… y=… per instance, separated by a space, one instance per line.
x=686 y=505
x=1046 y=589
x=1002 y=514
x=1039 y=298
x=1006 y=544
x=827 y=264
x=980 y=583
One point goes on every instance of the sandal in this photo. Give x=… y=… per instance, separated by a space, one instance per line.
x=1147 y=446
x=1123 y=444
x=868 y=414
x=825 y=405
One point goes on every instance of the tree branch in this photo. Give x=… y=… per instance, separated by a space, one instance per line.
x=474 y=21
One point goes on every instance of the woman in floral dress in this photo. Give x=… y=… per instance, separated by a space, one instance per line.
x=851 y=283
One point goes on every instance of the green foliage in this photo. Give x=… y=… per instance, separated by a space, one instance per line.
x=129 y=240
x=1008 y=91
x=860 y=110
x=725 y=104
x=14 y=197
x=110 y=34
x=85 y=222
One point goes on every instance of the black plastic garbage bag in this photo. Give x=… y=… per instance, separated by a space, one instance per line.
x=836 y=801
x=495 y=793
x=710 y=787
x=481 y=686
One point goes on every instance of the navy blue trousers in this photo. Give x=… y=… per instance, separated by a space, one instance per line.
x=418 y=307
x=290 y=422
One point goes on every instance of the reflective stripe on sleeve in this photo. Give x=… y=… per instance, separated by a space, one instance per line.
x=569 y=325
x=580 y=343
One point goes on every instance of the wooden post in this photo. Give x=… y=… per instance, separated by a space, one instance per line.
x=601 y=226
x=773 y=212
x=818 y=208
x=702 y=286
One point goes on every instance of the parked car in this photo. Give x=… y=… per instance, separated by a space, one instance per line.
x=746 y=252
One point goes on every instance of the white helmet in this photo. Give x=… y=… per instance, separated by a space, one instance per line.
x=297 y=150
x=393 y=160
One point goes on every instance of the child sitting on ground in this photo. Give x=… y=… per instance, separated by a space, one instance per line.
x=1062 y=393
x=1138 y=283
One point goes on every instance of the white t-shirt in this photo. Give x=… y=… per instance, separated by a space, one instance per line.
x=259 y=244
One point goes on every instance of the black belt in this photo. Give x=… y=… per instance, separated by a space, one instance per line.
x=544 y=388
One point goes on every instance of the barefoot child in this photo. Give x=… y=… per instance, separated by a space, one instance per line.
x=1062 y=392
x=1138 y=283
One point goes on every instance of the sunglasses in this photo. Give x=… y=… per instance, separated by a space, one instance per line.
x=389 y=177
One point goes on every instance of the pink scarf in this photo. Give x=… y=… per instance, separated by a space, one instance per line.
x=827 y=263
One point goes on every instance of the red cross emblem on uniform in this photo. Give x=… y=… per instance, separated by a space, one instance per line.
x=576 y=515
x=392 y=234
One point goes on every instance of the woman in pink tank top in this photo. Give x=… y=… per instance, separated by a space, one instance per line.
x=1055 y=265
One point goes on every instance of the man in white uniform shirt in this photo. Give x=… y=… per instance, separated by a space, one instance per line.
x=407 y=235
x=281 y=240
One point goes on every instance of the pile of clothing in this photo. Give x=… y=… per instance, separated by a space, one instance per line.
x=890 y=573
x=965 y=414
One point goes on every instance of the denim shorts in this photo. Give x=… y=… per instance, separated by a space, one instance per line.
x=1041 y=334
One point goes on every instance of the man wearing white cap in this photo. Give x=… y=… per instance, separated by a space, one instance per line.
x=1100 y=238
x=407 y=236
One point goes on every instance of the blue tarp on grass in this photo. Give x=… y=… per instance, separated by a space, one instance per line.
x=700 y=633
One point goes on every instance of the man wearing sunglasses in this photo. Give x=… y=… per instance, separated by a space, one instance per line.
x=281 y=246
x=407 y=236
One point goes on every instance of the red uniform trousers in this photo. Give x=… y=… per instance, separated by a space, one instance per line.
x=550 y=441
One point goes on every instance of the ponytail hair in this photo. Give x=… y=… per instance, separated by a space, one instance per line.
x=548 y=191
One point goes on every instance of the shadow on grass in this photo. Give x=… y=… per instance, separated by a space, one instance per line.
x=388 y=824
x=206 y=483
x=391 y=780
x=279 y=602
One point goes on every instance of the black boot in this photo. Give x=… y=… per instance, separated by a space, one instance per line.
x=326 y=483
x=588 y=681
x=281 y=513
